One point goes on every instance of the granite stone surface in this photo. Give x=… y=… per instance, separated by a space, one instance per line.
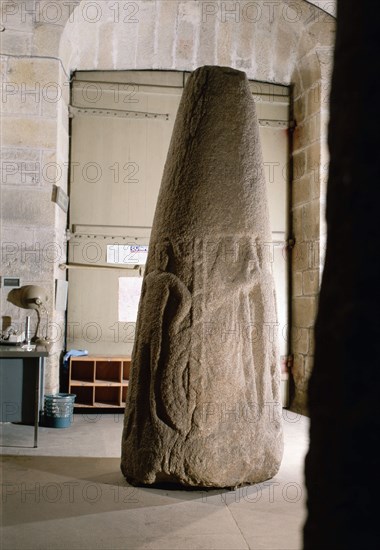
x=204 y=406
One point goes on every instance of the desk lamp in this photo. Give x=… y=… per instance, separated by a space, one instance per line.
x=32 y=297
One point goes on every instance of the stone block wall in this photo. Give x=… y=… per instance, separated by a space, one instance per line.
x=32 y=226
x=310 y=171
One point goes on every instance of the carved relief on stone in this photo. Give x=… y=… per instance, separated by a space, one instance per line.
x=203 y=406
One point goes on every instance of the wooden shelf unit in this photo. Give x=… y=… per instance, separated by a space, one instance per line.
x=99 y=381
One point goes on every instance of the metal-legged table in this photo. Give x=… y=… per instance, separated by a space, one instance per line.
x=21 y=393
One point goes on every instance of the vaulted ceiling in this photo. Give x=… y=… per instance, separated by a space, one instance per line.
x=328 y=6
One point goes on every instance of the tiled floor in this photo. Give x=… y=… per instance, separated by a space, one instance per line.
x=69 y=493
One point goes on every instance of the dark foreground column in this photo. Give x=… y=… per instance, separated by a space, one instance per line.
x=203 y=407
x=342 y=473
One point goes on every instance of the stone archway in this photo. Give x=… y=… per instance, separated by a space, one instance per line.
x=278 y=42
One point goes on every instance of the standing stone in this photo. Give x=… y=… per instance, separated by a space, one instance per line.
x=203 y=406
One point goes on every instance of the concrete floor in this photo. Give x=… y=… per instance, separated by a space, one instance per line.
x=69 y=493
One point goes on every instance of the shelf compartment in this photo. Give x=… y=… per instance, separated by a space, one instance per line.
x=124 y=391
x=100 y=381
x=84 y=395
x=126 y=369
x=108 y=370
x=82 y=370
x=106 y=396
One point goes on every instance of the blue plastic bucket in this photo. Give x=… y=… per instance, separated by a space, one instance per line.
x=58 y=410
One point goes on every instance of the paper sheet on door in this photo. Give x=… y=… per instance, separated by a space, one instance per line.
x=129 y=296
